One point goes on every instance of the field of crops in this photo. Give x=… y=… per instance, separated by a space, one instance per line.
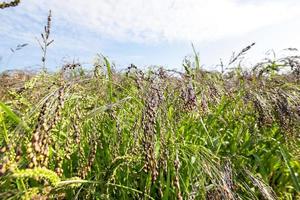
x=155 y=134
x=151 y=134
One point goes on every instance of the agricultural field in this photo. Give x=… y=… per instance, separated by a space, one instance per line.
x=103 y=133
x=155 y=134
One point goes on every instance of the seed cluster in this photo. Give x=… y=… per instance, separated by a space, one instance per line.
x=77 y=136
x=38 y=149
x=228 y=185
x=195 y=188
x=38 y=139
x=260 y=111
x=176 y=178
x=189 y=97
x=5 y=161
x=283 y=109
x=266 y=191
x=164 y=153
x=45 y=40
x=148 y=121
x=215 y=194
x=10 y=155
x=73 y=138
x=59 y=162
x=137 y=75
x=9 y=4
x=87 y=168
x=70 y=66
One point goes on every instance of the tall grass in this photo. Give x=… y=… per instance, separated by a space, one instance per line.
x=152 y=135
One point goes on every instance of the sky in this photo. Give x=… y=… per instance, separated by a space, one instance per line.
x=147 y=32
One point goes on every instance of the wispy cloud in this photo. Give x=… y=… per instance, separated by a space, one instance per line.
x=156 y=20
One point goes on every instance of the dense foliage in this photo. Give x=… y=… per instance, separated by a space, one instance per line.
x=153 y=134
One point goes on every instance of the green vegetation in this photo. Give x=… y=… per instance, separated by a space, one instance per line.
x=157 y=134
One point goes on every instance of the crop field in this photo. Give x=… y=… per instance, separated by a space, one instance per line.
x=155 y=134
x=151 y=134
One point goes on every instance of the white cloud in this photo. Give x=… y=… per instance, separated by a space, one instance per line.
x=171 y=20
x=150 y=20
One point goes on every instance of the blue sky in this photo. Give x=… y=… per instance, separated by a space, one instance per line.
x=152 y=32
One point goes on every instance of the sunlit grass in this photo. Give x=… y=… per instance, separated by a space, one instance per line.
x=151 y=135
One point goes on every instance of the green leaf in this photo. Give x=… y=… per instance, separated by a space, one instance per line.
x=13 y=116
x=291 y=170
x=109 y=73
